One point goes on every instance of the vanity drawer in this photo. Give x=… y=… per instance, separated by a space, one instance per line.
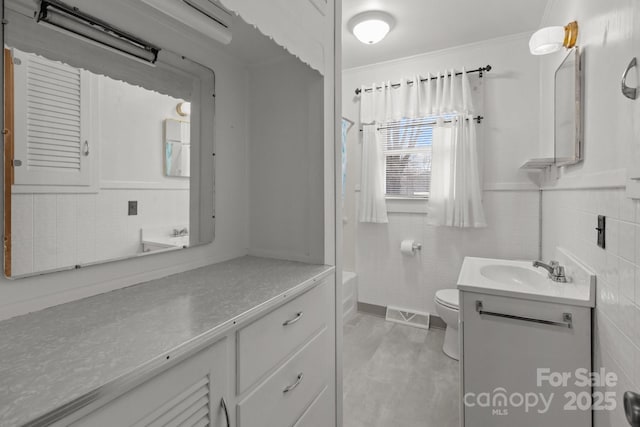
x=283 y=398
x=320 y=413
x=269 y=340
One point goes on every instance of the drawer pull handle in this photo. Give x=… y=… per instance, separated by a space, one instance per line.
x=567 y=318
x=629 y=92
x=294 y=320
x=226 y=412
x=294 y=385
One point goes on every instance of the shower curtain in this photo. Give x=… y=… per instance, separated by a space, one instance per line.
x=455 y=197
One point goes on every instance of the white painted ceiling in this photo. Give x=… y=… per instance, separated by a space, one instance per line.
x=428 y=25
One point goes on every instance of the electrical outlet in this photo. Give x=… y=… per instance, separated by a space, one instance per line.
x=133 y=207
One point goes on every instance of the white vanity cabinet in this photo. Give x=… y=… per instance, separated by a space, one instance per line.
x=505 y=341
x=189 y=393
x=282 y=360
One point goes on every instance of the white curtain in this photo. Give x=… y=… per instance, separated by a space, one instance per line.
x=372 y=205
x=455 y=197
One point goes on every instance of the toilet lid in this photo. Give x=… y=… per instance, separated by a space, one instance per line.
x=448 y=297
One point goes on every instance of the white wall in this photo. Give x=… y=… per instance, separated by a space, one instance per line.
x=609 y=39
x=130 y=129
x=231 y=191
x=508 y=136
x=286 y=161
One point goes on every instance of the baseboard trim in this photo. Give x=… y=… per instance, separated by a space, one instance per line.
x=373 y=309
x=435 y=322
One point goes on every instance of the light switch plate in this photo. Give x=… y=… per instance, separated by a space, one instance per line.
x=133 y=207
x=602 y=230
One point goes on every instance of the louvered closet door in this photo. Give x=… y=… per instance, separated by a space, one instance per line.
x=51 y=123
x=188 y=394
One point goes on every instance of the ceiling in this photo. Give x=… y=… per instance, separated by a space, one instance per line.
x=428 y=25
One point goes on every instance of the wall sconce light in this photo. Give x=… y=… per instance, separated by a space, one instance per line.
x=371 y=27
x=552 y=39
x=184 y=109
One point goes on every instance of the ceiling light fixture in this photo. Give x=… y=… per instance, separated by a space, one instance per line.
x=552 y=39
x=371 y=27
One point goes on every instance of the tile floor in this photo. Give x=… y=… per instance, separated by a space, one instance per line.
x=397 y=376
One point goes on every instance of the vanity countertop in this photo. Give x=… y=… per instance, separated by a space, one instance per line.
x=51 y=357
x=519 y=279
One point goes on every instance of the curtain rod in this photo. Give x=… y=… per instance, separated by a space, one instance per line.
x=480 y=71
x=477 y=119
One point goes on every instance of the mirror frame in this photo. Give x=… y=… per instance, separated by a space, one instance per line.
x=578 y=143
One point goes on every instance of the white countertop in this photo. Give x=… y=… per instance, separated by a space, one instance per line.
x=580 y=291
x=54 y=356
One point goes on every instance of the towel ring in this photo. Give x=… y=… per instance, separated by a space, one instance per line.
x=629 y=92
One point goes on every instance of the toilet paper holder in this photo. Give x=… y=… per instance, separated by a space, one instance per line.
x=409 y=247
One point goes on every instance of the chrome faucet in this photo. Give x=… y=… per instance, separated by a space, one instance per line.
x=555 y=270
x=180 y=232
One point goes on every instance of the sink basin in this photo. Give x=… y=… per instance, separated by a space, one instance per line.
x=514 y=275
x=519 y=279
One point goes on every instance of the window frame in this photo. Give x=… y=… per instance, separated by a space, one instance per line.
x=387 y=152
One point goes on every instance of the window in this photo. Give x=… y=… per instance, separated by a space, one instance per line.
x=407 y=153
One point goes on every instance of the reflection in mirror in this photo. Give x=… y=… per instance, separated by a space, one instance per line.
x=568 y=110
x=100 y=157
x=177 y=147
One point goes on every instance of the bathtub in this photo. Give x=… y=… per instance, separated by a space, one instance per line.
x=349 y=293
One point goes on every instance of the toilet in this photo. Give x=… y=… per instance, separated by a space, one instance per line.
x=447 y=303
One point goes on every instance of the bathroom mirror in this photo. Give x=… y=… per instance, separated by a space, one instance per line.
x=568 y=148
x=99 y=164
x=177 y=148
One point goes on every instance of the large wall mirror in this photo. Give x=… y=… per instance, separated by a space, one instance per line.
x=568 y=110
x=102 y=161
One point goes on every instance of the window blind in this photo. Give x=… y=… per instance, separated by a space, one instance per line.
x=407 y=154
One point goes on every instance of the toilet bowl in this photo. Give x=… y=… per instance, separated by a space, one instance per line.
x=447 y=303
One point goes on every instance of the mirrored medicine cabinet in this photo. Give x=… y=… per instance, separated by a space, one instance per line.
x=568 y=122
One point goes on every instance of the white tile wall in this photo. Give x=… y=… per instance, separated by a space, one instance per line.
x=52 y=231
x=386 y=277
x=569 y=219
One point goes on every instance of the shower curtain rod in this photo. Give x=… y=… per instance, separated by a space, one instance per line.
x=480 y=71
x=477 y=119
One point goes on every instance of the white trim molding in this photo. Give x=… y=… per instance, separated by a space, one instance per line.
x=511 y=186
x=616 y=178
x=180 y=184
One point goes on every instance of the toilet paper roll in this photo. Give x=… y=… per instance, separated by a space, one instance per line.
x=407 y=247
